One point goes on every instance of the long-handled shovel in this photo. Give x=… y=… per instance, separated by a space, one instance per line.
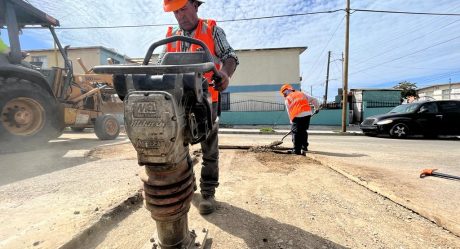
x=431 y=172
x=276 y=143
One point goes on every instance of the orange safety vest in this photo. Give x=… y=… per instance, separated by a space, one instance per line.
x=297 y=103
x=203 y=32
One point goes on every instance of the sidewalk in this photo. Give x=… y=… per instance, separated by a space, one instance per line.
x=281 y=130
x=49 y=210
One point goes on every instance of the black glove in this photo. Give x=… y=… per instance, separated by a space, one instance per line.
x=316 y=111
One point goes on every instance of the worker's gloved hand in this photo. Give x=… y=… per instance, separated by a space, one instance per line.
x=317 y=111
x=221 y=81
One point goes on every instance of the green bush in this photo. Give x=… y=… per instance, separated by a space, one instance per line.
x=267 y=130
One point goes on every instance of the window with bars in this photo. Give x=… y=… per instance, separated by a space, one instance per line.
x=40 y=61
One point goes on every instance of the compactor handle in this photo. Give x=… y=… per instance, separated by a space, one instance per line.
x=175 y=38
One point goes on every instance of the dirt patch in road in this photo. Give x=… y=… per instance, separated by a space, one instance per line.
x=269 y=200
x=280 y=163
x=124 y=151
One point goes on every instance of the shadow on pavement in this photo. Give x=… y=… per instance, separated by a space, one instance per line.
x=262 y=232
x=58 y=154
x=421 y=138
x=336 y=154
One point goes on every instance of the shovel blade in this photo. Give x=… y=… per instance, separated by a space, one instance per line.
x=275 y=143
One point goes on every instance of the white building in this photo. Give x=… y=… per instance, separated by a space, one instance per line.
x=256 y=83
x=441 y=91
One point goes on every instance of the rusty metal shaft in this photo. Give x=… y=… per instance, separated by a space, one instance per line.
x=168 y=191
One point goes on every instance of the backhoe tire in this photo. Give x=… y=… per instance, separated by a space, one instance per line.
x=29 y=115
x=106 y=127
x=77 y=129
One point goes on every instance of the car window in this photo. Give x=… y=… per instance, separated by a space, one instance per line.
x=405 y=108
x=450 y=106
x=430 y=107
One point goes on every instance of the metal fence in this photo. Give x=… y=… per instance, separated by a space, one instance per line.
x=251 y=104
x=268 y=104
x=380 y=104
x=332 y=106
x=368 y=104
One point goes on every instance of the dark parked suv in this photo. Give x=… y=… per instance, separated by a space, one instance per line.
x=429 y=118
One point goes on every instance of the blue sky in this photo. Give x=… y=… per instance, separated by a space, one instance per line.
x=384 y=48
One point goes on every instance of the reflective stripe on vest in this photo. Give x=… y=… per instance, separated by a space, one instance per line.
x=297 y=103
x=203 y=32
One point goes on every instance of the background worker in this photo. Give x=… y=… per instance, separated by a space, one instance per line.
x=411 y=96
x=190 y=25
x=298 y=106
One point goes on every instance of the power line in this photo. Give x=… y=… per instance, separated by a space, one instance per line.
x=436 y=77
x=408 y=43
x=407 y=12
x=338 y=70
x=219 y=21
x=415 y=52
x=261 y=18
x=420 y=68
x=327 y=44
x=385 y=42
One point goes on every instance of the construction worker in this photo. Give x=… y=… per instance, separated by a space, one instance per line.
x=190 y=25
x=298 y=106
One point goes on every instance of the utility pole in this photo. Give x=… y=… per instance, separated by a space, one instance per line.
x=327 y=78
x=345 y=72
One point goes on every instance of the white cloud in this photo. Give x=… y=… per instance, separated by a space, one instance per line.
x=375 y=38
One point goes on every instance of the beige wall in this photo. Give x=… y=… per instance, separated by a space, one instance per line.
x=264 y=96
x=90 y=57
x=262 y=67
x=267 y=67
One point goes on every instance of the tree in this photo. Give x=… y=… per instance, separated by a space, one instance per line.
x=407 y=89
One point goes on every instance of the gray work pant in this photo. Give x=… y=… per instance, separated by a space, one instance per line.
x=210 y=167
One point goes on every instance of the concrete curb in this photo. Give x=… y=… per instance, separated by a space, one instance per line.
x=105 y=223
x=438 y=220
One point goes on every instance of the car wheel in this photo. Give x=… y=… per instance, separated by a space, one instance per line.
x=399 y=130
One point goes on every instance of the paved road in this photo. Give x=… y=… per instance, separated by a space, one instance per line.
x=67 y=151
x=391 y=167
x=388 y=166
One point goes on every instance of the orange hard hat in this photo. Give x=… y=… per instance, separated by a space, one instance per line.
x=284 y=88
x=173 y=5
